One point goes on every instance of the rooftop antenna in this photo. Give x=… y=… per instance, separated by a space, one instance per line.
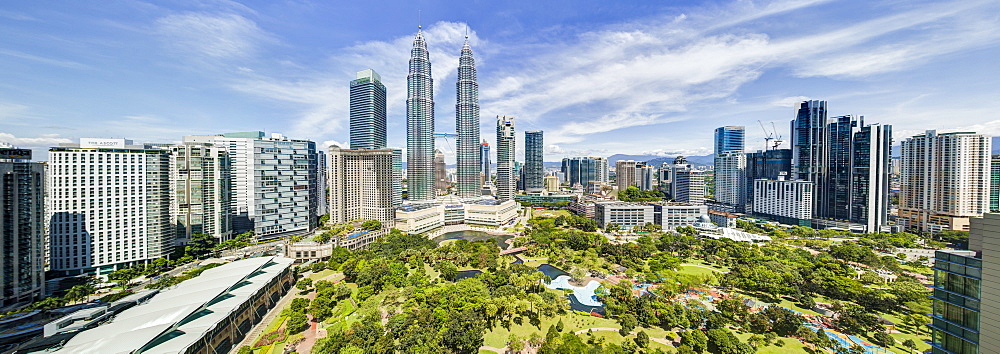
x=418 y=21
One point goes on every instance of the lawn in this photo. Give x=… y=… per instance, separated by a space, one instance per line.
x=699 y=270
x=571 y=323
x=550 y=213
x=322 y=274
x=906 y=334
x=790 y=345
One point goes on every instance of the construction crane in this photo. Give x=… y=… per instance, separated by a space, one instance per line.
x=772 y=135
x=777 y=137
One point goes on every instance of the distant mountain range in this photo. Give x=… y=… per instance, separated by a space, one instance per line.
x=654 y=160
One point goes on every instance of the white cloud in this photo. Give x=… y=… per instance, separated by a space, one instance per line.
x=216 y=36
x=40 y=141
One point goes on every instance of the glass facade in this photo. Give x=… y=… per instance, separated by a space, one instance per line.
x=995 y=184
x=956 y=293
x=534 y=168
x=367 y=111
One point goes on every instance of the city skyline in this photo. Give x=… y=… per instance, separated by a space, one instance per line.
x=228 y=67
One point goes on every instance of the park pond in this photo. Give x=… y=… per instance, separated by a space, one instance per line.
x=474 y=236
x=581 y=299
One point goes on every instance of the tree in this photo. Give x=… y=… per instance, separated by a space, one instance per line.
x=723 y=341
x=515 y=343
x=642 y=339
x=447 y=269
x=79 y=292
x=304 y=283
x=910 y=344
x=372 y=224
x=200 y=245
x=883 y=339
x=297 y=322
x=324 y=237
x=695 y=339
x=628 y=322
x=560 y=326
x=612 y=227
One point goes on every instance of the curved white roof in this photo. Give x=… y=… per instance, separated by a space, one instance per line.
x=176 y=318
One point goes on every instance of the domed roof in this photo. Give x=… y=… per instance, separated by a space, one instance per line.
x=705 y=219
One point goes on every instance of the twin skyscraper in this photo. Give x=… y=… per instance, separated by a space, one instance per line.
x=368 y=122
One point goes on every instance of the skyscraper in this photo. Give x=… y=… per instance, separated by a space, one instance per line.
x=587 y=172
x=644 y=177
x=362 y=185
x=808 y=138
x=624 y=174
x=995 y=184
x=729 y=139
x=534 y=168
x=22 y=227
x=109 y=205
x=730 y=166
x=467 y=125
x=768 y=165
x=688 y=184
x=202 y=199
x=440 y=173
x=275 y=182
x=420 y=123
x=869 y=183
x=506 y=176
x=367 y=111
x=848 y=163
x=484 y=159
x=944 y=180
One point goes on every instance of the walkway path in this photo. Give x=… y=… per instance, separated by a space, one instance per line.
x=258 y=329
x=702 y=266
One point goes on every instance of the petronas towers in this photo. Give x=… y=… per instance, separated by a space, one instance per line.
x=467 y=125
x=420 y=124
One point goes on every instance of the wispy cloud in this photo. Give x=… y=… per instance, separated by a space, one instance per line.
x=215 y=36
x=41 y=141
x=69 y=64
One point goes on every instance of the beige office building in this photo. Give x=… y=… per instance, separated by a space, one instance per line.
x=625 y=174
x=361 y=185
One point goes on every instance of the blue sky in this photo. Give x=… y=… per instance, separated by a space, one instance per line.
x=599 y=77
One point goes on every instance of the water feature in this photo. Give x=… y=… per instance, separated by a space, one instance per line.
x=471 y=273
x=474 y=236
x=583 y=297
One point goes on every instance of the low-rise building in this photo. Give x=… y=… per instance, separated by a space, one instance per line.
x=207 y=314
x=624 y=214
x=672 y=215
x=544 y=199
x=420 y=218
x=491 y=212
x=787 y=202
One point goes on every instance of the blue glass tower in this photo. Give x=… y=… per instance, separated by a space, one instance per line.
x=534 y=168
x=367 y=111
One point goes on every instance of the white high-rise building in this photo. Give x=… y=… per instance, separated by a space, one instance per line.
x=361 y=185
x=687 y=184
x=644 y=177
x=202 y=199
x=730 y=174
x=109 y=205
x=789 y=202
x=506 y=177
x=275 y=182
x=944 y=180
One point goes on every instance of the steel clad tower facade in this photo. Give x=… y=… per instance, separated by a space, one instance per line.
x=467 y=125
x=420 y=123
x=506 y=176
